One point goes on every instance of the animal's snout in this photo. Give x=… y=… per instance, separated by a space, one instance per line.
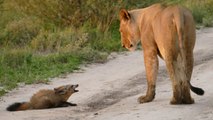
x=75 y=86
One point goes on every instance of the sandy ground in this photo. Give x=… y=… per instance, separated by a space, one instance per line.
x=109 y=91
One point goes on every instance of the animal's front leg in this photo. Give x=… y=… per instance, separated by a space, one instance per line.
x=66 y=104
x=151 y=65
x=71 y=104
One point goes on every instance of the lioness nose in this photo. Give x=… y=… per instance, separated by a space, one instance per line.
x=131 y=45
x=123 y=46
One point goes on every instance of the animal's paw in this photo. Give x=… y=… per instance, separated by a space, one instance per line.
x=145 y=99
x=72 y=104
x=174 y=101
x=188 y=101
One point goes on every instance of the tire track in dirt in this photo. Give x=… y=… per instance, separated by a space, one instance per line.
x=136 y=85
x=204 y=56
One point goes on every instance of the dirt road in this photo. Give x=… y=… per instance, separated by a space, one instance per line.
x=109 y=91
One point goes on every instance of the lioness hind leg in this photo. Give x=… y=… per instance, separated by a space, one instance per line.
x=181 y=88
x=187 y=99
x=176 y=82
x=151 y=65
x=176 y=99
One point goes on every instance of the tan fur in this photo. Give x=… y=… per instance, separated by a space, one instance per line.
x=167 y=31
x=48 y=99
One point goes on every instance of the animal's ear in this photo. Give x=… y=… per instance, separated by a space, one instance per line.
x=124 y=15
x=59 y=91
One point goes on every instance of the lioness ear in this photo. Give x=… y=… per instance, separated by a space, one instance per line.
x=124 y=15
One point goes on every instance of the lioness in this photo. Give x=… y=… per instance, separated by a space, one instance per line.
x=167 y=31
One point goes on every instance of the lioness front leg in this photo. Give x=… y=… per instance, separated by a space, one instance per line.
x=151 y=65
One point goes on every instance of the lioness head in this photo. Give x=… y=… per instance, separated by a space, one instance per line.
x=130 y=35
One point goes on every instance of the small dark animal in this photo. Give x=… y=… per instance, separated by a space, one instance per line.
x=44 y=99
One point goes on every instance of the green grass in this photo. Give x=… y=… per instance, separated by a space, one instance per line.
x=24 y=67
x=28 y=68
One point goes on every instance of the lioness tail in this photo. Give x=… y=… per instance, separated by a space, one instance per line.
x=198 y=91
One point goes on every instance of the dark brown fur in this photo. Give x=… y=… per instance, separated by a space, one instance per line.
x=44 y=99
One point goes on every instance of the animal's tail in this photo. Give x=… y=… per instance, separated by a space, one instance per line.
x=179 y=23
x=198 y=91
x=18 y=106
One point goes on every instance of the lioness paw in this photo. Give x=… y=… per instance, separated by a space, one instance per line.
x=145 y=99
